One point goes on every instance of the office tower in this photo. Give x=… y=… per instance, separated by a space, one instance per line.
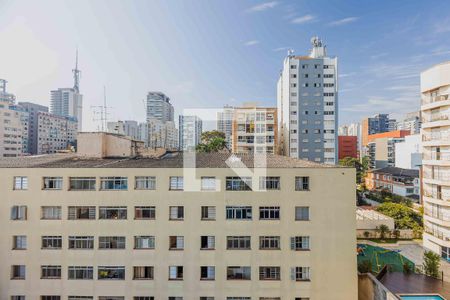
x=307 y=94
x=190 y=132
x=32 y=110
x=4 y=95
x=68 y=102
x=13 y=129
x=124 y=228
x=254 y=129
x=55 y=133
x=128 y=128
x=159 y=107
x=225 y=123
x=411 y=122
x=435 y=90
x=377 y=124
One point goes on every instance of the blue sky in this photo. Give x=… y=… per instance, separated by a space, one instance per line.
x=210 y=53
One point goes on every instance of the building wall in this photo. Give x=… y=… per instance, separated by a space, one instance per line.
x=159 y=107
x=33 y=110
x=225 y=123
x=11 y=130
x=331 y=228
x=408 y=154
x=348 y=146
x=66 y=102
x=190 y=132
x=55 y=133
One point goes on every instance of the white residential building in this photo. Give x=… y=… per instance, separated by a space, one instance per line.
x=13 y=133
x=162 y=134
x=67 y=102
x=225 y=123
x=32 y=109
x=408 y=154
x=190 y=132
x=307 y=95
x=411 y=122
x=55 y=133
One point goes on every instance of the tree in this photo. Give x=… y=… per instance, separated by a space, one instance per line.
x=431 y=263
x=366 y=234
x=404 y=216
x=212 y=141
x=353 y=163
x=383 y=230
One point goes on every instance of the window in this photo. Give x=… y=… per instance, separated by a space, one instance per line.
x=18 y=272
x=51 y=242
x=301 y=213
x=238 y=243
x=269 y=298
x=17 y=297
x=20 y=183
x=239 y=298
x=144 y=212
x=208 y=212
x=51 y=212
x=80 y=298
x=113 y=183
x=111 y=298
x=176 y=242
x=206 y=298
x=50 y=272
x=82 y=183
x=302 y=183
x=208 y=183
x=175 y=298
x=144 y=242
x=145 y=183
x=176 y=183
x=19 y=242
x=176 y=273
x=269 y=242
x=269 y=273
x=81 y=242
x=50 y=297
x=142 y=272
x=53 y=183
x=238 y=273
x=176 y=213
x=81 y=213
x=238 y=183
x=300 y=243
x=113 y=212
x=207 y=242
x=111 y=273
x=143 y=298
x=269 y=183
x=111 y=242
x=19 y=212
x=207 y=273
x=239 y=212
x=300 y=273
x=269 y=213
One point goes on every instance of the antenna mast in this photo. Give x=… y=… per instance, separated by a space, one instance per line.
x=101 y=113
x=76 y=75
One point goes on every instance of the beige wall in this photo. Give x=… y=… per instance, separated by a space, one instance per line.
x=332 y=227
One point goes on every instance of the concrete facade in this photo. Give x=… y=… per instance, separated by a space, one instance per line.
x=55 y=133
x=12 y=130
x=33 y=110
x=190 y=132
x=68 y=102
x=408 y=154
x=159 y=107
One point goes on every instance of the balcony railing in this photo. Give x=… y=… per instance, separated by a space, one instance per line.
x=436 y=136
x=434 y=195
x=437 y=176
x=436 y=117
x=437 y=215
x=436 y=156
x=428 y=100
x=437 y=233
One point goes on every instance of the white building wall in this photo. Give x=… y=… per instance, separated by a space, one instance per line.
x=408 y=154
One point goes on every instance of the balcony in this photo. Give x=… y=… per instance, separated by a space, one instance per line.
x=436 y=117
x=438 y=234
x=433 y=99
x=440 y=215
x=436 y=156
x=436 y=137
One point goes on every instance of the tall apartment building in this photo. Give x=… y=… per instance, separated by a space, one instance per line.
x=435 y=108
x=140 y=228
x=348 y=146
x=32 y=109
x=377 y=124
x=353 y=129
x=13 y=129
x=190 y=132
x=128 y=128
x=225 y=123
x=67 y=102
x=159 y=107
x=411 y=122
x=55 y=133
x=162 y=135
x=381 y=152
x=254 y=130
x=307 y=96
x=24 y=124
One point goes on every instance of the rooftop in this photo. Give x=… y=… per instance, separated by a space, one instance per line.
x=400 y=283
x=394 y=171
x=370 y=214
x=169 y=160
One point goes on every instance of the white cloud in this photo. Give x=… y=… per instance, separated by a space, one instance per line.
x=263 y=6
x=343 y=21
x=303 y=19
x=251 y=43
x=281 y=49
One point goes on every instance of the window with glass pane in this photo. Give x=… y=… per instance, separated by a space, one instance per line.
x=51 y=242
x=111 y=298
x=206 y=298
x=18 y=297
x=176 y=213
x=51 y=212
x=269 y=273
x=111 y=242
x=176 y=183
x=82 y=183
x=50 y=297
x=111 y=273
x=176 y=242
x=50 y=272
x=239 y=298
x=81 y=213
x=238 y=183
x=80 y=298
x=112 y=212
x=143 y=298
x=144 y=212
x=269 y=213
x=143 y=273
x=80 y=272
x=145 y=182
x=207 y=273
x=19 y=242
x=269 y=183
x=300 y=243
x=238 y=273
x=207 y=242
x=239 y=212
x=19 y=212
x=208 y=183
x=301 y=183
x=238 y=243
x=175 y=298
x=301 y=213
x=144 y=242
x=176 y=273
x=113 y=183
x=53 y=183
x=20 y=183
x=269 y=242
x=81 y=242
x=300 y=273
x=208 y=212
x=18 y=272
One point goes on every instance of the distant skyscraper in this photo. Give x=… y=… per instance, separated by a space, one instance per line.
x=32 y=110
x=190 y=131
x=159 y=107
x=377 y=124
x=411 y=122
x=4 y=95
x=307 y=95
x=225 y=123
x=68 y=102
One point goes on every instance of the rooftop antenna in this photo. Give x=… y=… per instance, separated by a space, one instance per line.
x=3 y=85
x=101 y=113
x=76 y=74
